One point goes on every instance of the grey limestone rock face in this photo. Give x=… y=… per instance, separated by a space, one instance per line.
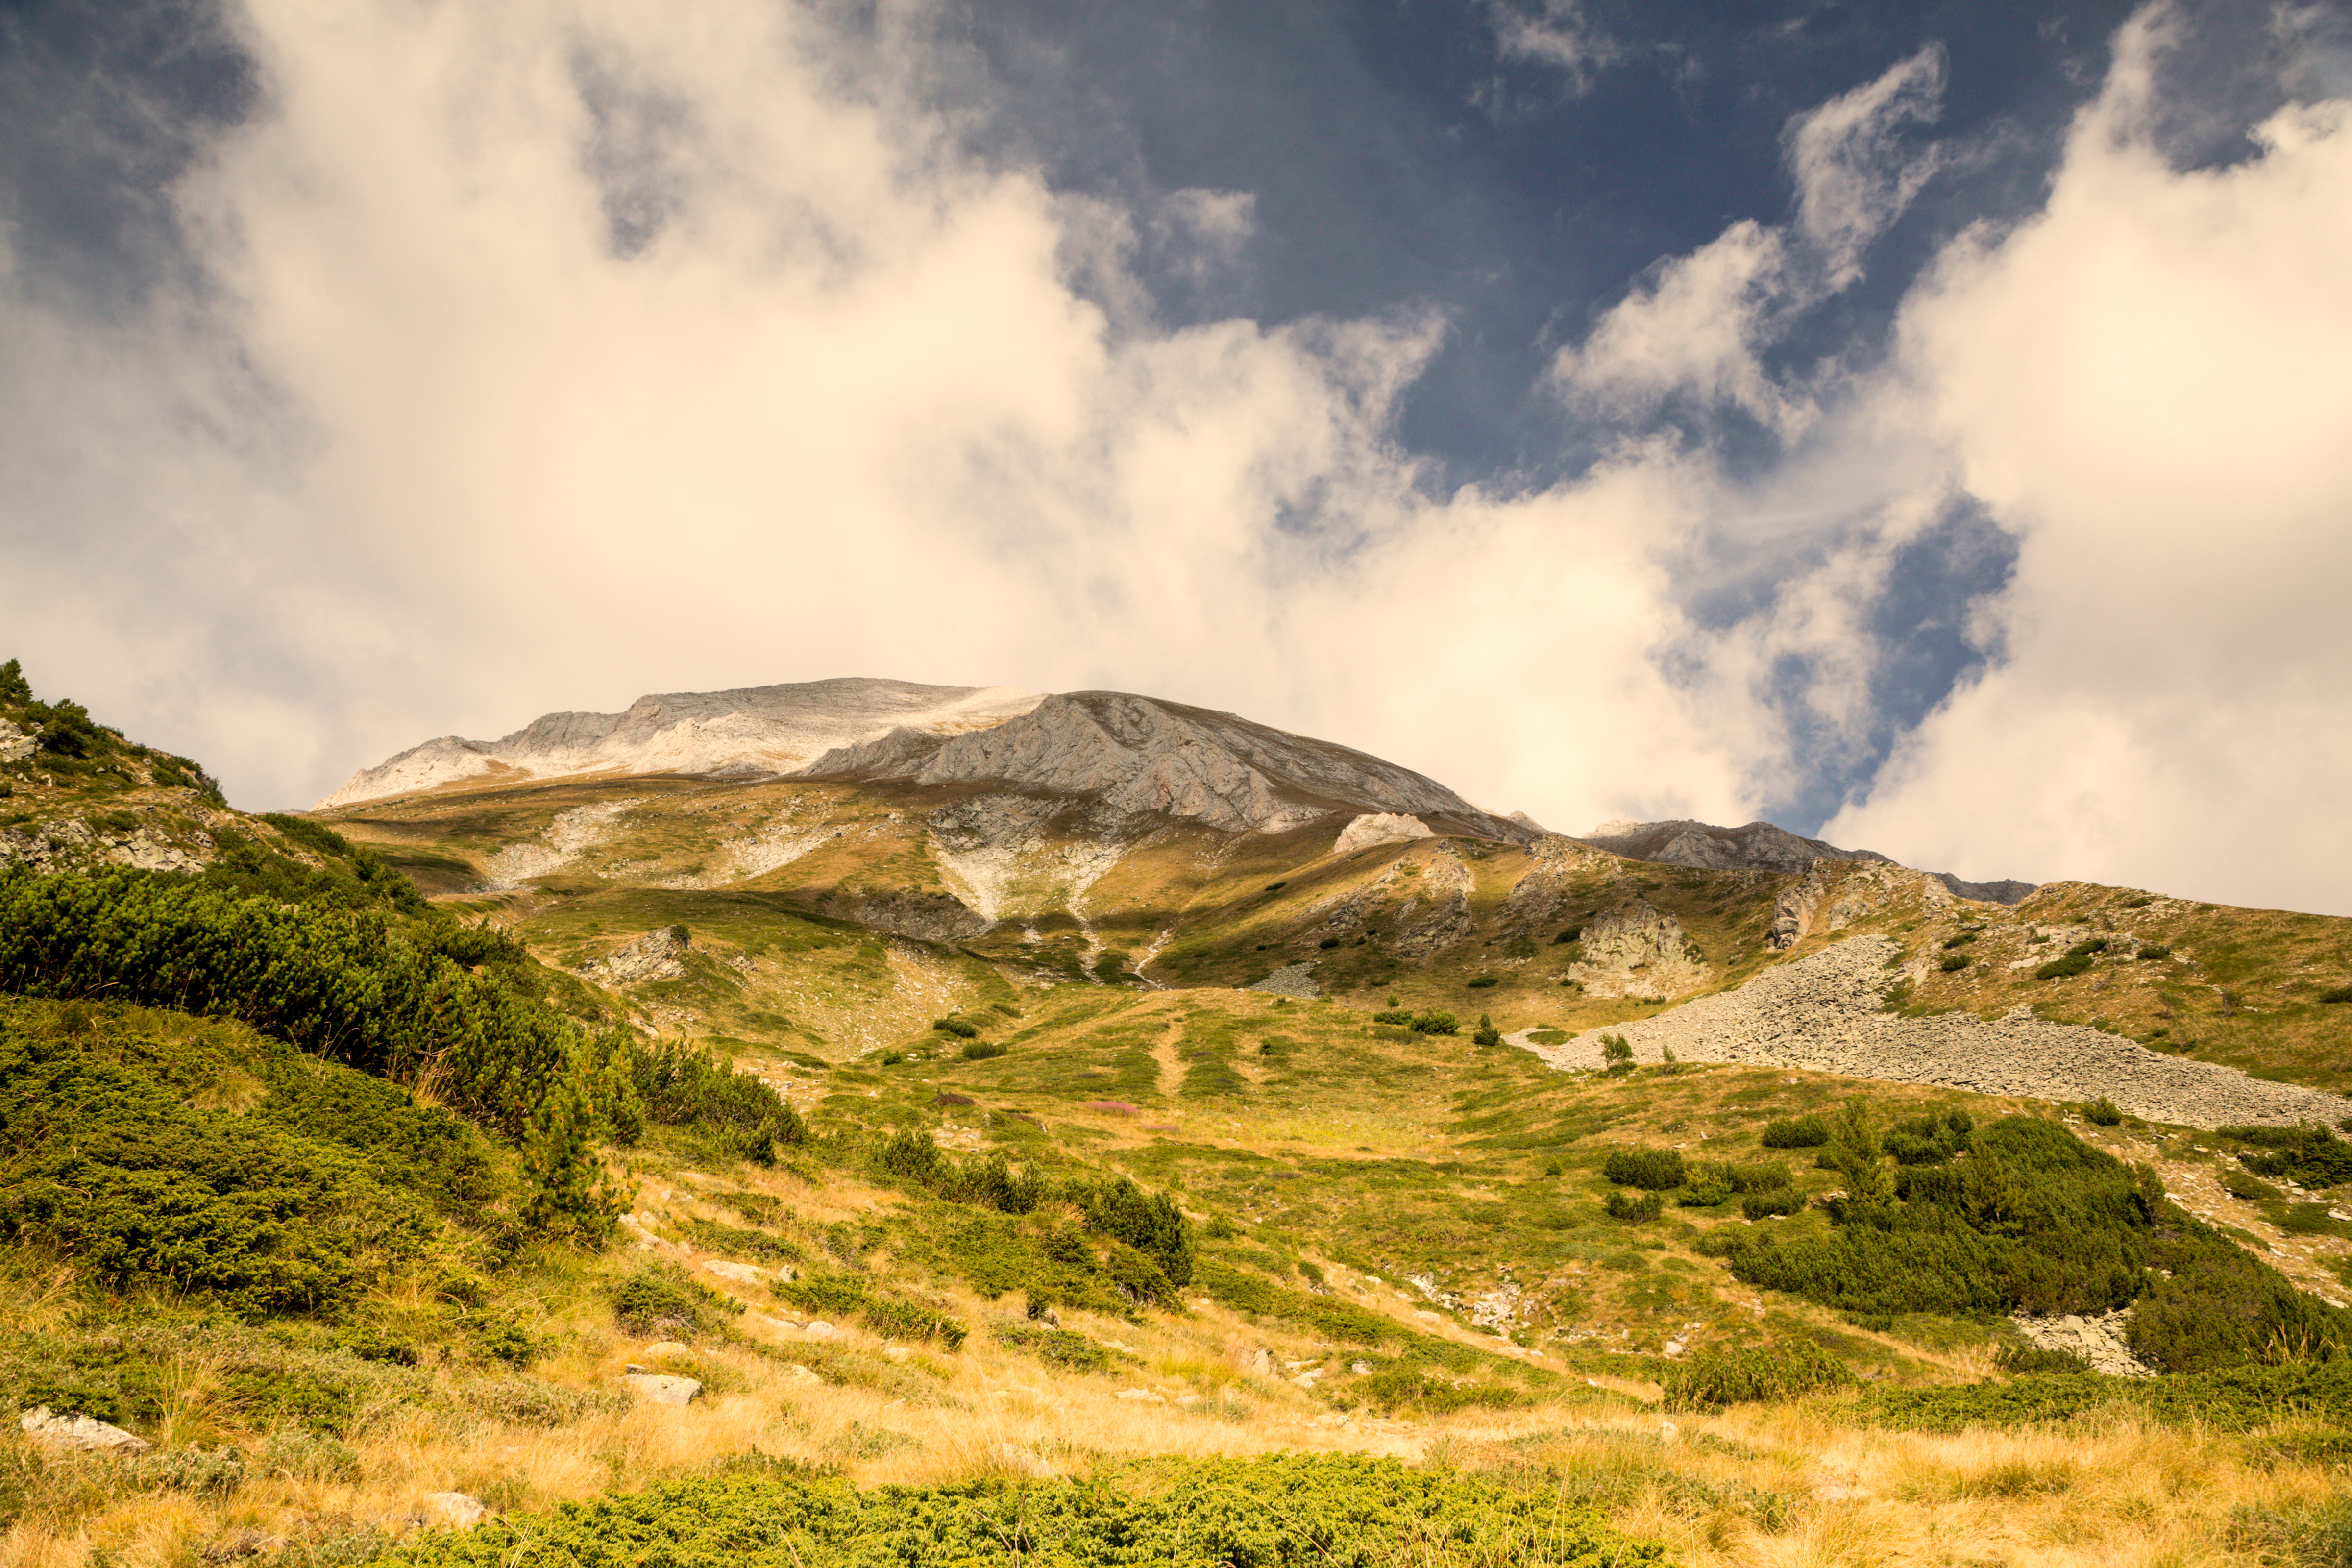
x=1140 y=755
x=748 y=730
x=16 y=744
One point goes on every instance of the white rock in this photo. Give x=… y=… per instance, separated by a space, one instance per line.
x=800 y=1373
x=819 y=1328
x=741 y=1273
x=667 y=1350
x=454 y=1509
x=1379 y=827
x=82 y=1434
x=659 y=1390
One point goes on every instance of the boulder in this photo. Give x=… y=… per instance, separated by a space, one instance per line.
x=454 y=1509
x=80 y=1433
x=661 y=1390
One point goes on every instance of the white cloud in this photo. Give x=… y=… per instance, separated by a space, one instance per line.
x=2148 y=384
x=568 y=349
x=1555 y=33
x=1853 y=178
x=1698 y=326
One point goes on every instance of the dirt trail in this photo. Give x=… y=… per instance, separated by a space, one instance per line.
x=1172 y=1066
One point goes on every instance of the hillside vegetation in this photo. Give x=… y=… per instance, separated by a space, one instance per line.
x=1004 y=1245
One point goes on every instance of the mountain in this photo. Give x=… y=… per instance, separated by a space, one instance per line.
x=1134 y=755
x=749 y=730
x=1761 y=846
x=1141 y=755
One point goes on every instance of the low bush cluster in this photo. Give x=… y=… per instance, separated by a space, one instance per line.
x=1637 y=1208
x=2309 y=1154
x=662 y=1297
x=2036 y=1220
x=1277 y=1511
x=1796 y=1132
x=680 y=1085
x=1654 y=1169
x=887 y=1313
x=1713 y=1378
x=1399 y=1390
x=1055 y=1347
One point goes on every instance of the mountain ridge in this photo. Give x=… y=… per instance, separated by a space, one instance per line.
x=1763 y=847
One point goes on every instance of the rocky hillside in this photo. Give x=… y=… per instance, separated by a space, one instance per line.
x=752 y=730
x=1760 y=846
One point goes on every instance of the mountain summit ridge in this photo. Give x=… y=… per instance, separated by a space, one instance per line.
x=1762 y=847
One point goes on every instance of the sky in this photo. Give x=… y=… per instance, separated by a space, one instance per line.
x=1927 y=426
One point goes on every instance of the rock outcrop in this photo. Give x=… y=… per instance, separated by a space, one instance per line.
x=1140 y=755
x=656 y=955
x=754 y=730
x=1636 y=952
x=1761 y=846
x=1378 y=827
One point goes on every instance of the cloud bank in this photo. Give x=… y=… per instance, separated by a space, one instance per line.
x=540 y=356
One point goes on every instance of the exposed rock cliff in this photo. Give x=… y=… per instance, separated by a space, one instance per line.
x=752 y=730
x=1140 y=755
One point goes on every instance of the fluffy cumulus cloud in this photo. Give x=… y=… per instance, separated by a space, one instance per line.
x=2148 y=384
x=540 y=356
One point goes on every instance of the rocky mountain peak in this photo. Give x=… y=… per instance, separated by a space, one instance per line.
x=748 y=730
x=1145 y=755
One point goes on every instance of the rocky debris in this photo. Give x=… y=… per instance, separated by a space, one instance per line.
x=79 y=1434
x=1760 y=846
x=71 y=844
x=1291 y=980
x=1826 y=1013
x=572 y=834
x=1379 y=827
x=1545 y=889
x=457 y=1509
x=2099 y=1338
x=1637 y=952
x=656 y=955
x=16 y=744
x=1140 y=755
x=660 y=1389
x=748 y=731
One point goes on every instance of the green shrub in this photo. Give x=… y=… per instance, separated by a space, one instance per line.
x=956 y=1027
x=1796 y=1132
x=1481 y=983
x=1488 y=1035
x=2150 y=951
x=894 y=1317
x=1277 y=1511
x=1770 y=1202
x=1437 y=1023
x=2308 y=1153
x=1401 y=1017
x=1658 y=1169
x=2065 y=968
x=686 y=1086
x=2018 y=1358
x=827 y=1295
x=1055 y=1347
x=1327 y=943
x=1711 y=1378
x=1963 y=938
x=2102 y=1112
x=983 y=1050
x=1623 y=1205
x=662 y=1297
x=1400 y=1389
x=2336 y=994
x=1954 y=962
